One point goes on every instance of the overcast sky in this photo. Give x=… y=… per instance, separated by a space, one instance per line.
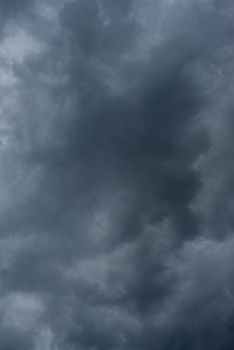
x=116 y=175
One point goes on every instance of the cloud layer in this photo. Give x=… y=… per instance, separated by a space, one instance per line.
x=116 y=175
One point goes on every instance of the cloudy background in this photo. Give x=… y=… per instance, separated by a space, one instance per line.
x=116 y=174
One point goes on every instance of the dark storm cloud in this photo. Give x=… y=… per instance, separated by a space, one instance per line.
x=138 y=138
x=115 y=143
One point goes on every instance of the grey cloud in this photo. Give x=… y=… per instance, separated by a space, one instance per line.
x=11 y=9
x=113 y=146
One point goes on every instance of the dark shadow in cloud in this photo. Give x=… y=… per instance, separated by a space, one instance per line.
x=143 y=140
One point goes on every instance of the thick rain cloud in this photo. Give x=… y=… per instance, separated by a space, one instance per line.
x=116 y=225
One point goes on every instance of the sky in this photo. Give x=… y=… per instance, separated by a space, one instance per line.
x=116 y=175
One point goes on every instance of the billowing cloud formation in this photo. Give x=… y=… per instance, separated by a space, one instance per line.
x=116 y=175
